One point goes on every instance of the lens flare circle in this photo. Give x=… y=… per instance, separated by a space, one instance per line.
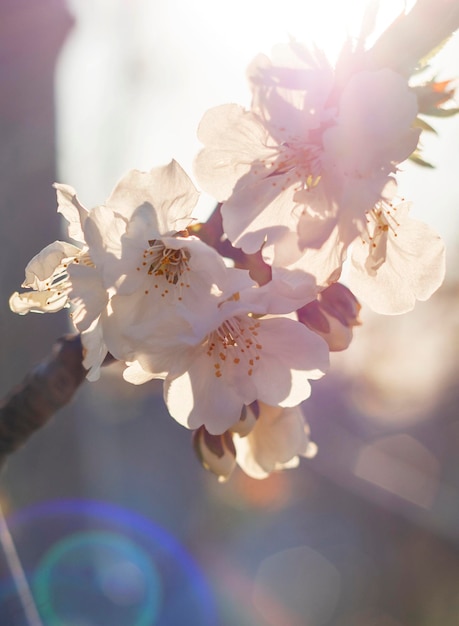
x=91 y=563
x=99 y=573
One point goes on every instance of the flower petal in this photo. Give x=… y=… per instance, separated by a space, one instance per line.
x=260 y=211
x=198 y=398
x=274 y=443
x=41 y=268
x=73 y=211
x=136 y=375
x=87 y=294
x=413 y=269
x=94 y=349
x=167 y=189
x=291 y=355
x=234 y=139
x=36 y=302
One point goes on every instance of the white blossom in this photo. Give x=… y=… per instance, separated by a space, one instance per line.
x=310 y=158
x=396 y=261
x=163 y=283
x=276 y=441
x=244 y=358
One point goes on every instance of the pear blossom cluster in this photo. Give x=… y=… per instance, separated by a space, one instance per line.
x=237 y=319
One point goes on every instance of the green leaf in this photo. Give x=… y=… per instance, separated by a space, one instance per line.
x=437 y=112
x=430 y=55
x=416 y=158
x=423 y=125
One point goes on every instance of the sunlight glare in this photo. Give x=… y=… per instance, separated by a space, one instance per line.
x=178 y=59
x=247 y=28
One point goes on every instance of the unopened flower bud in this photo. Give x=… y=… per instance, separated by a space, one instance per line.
x=215 y=452
x=279 y=437
x=247 y=420
x=332 y=316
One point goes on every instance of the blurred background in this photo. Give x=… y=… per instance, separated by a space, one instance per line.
x=114 y=520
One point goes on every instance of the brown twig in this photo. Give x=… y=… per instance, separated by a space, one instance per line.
x=46 y=389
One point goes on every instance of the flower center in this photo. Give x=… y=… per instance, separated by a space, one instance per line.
x=302 y=163
x=167 y=265
x=381 y=222
x=235 y=343
x=59 y=284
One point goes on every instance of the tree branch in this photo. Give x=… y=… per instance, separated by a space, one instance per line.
x=46 y=389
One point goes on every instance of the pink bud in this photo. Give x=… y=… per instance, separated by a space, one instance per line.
x=332 y=316
x=215 y=452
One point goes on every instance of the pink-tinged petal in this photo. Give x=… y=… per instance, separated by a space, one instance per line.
x=291 y=354
x=133 y=331
x=234 y=139
x=41 y=268
x=87 y=294
x=94 y=349
x=243 y=359
x=165 y=359
x=373 y=130
x=288 y=291
x=378 y=105
x=199 y=398
x=300 y=389
x=324 y=263
x=260 y=211
x=136 y=375
x=332 y=316
x=317 y=220
x=73 y=211
x=413 y=269
x=298 y=347
x=290 y=92
x=103 y=231
x=372 y=135
x=167 y=189
x=216 y=453
x=274 y=443
x=284 y=252
x=208 y=281
x=246 y=422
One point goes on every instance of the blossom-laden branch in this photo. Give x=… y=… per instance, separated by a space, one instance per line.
x=238 y=315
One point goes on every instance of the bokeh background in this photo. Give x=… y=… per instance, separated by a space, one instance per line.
x=114 y=521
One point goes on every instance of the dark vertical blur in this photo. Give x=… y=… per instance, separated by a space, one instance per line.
x=31 y=35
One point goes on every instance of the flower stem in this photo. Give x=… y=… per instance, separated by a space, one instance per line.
x=17 y=571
